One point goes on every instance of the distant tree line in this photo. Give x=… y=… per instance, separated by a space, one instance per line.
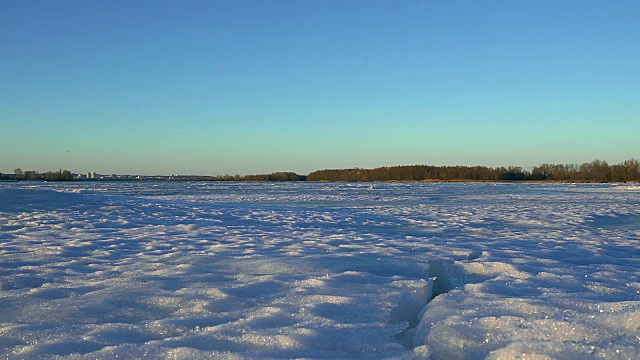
x=18 y=174
x=277 y=176
x=595 y=171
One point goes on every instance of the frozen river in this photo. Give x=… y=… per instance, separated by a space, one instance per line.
x=319 y=270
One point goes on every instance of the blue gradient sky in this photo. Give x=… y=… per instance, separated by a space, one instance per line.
x=240 y=87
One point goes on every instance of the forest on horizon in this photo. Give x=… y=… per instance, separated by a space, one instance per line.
x=595 y=171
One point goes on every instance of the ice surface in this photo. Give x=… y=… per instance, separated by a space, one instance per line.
x=319 y=270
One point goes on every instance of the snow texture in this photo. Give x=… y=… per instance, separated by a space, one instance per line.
x=319 y=270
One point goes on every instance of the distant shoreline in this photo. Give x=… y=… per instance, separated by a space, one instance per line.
x=596 y=171
x=434 y=181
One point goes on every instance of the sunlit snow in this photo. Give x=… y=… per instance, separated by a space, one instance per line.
x=319 y=270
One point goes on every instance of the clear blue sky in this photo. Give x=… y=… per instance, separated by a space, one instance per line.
x=243 y=87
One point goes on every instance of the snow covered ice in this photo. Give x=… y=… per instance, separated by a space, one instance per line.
x=319 y=270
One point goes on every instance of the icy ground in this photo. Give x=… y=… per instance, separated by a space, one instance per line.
x=304 y=270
